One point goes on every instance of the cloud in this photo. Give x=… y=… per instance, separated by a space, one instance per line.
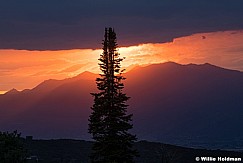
x=73 y=68
x=62 y=24
x=22 y=69
x=223 y=49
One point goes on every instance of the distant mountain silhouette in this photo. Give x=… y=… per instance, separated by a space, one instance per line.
x=171 y=103
x=12 y=91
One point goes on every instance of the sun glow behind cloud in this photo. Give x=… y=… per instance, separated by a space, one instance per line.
x=22 y=69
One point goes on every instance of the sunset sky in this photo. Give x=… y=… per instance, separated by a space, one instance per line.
x=56 y=39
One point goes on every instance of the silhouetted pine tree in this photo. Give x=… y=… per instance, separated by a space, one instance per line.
x=109 y=122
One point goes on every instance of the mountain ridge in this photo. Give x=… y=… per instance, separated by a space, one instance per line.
x=90 y=75
x=169 y=101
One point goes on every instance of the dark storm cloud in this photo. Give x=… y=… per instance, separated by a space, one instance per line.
x=68 y=24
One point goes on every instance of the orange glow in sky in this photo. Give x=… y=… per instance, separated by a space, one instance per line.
x=23 y=69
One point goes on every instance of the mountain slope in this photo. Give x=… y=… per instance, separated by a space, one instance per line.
x=170 y=102
x=202 y=102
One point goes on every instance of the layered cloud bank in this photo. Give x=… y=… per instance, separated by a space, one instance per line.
x=23 y=69
x=56 y=25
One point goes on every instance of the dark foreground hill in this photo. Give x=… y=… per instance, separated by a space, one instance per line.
x=76 y=151
x=190 y=105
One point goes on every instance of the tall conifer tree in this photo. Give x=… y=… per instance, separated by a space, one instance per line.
x=109 y=122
